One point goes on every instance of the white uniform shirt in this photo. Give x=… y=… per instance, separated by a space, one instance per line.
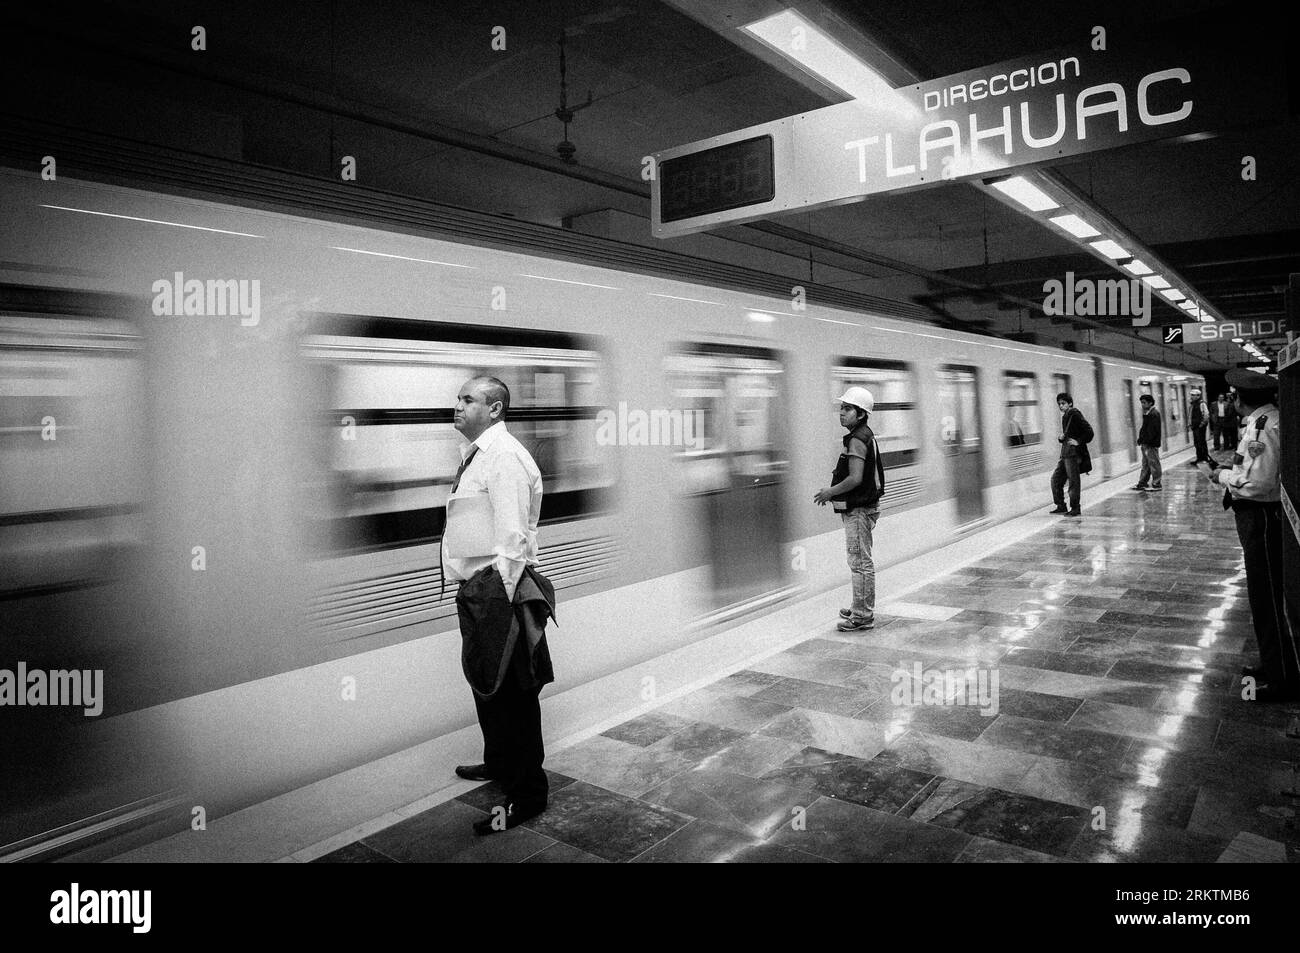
x=504 y=475
x=1256 y=477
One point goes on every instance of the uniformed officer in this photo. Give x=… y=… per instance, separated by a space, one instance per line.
x=1253 y=490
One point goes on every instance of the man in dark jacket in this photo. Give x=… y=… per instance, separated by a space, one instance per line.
x=1076 y=434
x=1223 y=423
x=1196 y=423
x=1149 y=445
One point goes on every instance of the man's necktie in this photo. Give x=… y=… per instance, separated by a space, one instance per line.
x=455 y=485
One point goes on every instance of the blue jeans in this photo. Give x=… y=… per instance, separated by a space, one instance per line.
x=1151 y=469
x=859 y=524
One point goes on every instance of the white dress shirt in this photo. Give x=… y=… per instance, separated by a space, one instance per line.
x=1256 y=476
x=502 y=492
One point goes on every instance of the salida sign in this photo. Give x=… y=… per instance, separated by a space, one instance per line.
x=993 y=120
x=1227 y=330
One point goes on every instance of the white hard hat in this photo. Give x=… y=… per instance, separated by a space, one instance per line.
x=859 y=397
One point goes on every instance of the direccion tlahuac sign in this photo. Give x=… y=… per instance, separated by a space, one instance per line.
x=1030 y=110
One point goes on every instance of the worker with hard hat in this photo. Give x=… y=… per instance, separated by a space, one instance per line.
x=1253 y=490
x=856 y=487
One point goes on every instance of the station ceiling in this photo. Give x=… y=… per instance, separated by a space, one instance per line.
x=416 y=93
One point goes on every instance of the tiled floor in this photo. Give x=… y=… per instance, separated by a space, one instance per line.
x=1115 y=730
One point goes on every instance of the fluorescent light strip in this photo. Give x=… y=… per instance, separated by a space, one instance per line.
x=1137 y=267
x=823 y=56
x=1074 y=225
x=1173 y=294
x=380 y=254
x=1188 y=306
x=656 y=294
x=153 y=221
x=1026 y=193
x=585 y=284
x=1110 y=249
x=1156 y=281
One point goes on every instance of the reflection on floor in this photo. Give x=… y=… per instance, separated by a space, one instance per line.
x=1115 y=730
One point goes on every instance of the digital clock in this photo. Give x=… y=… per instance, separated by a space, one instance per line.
x=718 y=179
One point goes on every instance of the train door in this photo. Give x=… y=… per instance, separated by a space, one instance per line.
x=1185 y=404
x=1132 y=421
x=959 y=434
x=736 y=470
x=1166 y=423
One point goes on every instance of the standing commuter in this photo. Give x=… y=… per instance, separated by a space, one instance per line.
x=1223 y=416
x=503 y=603
x=856 y=487
x=1252 y=489
x=1149 y=445
x=1074 y=437
x=1196 y=424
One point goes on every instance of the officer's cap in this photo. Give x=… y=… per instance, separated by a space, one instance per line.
x=1243 y=379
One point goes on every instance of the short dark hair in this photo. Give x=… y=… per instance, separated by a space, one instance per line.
x=1257 y=396
x=1147 y=398
x=496 y=390
x=1065 y=397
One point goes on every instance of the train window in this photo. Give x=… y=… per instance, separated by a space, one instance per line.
x=389 y=450
x=1062 y=384
x=1024 y=415
x=72 y=402
x=895 y=419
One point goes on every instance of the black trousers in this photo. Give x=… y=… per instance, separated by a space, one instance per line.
x=1260 y=529
x=1067 y=470
x=1198 y=438
x=511 y=721
x=1217 y=430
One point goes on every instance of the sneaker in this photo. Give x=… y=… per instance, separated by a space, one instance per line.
x=1157 y=487
x=1074 y=512
x=1059 y=509
x=855 y=624
x=846 y=613
x=1141 y=487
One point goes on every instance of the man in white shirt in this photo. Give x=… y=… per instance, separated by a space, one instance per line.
x=1253 y=490
x=491 y=534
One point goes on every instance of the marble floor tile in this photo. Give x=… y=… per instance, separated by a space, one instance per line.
x=752 y=755
x=1056 y=661
x=1017 y=819
x=1146 y=843
x=647 y=729
x=885 y=787
x=827 y=671
x=559 y=853
x=849 y=833
x=1097 y=748
x=445 y=834
x=737 y=712
x=914 y=610
x=964 y=722
x=619 y=766
x=983 y=851
x=703 y=843
x=963 y=760
x=1037 y=705
x=489 y=795
x=1127 y=799
x=744 y=683
x=697 y=741
x=749 y=806
x=832 y=699
x=829 y=732
x=602 y=823
x=1163 y=728
x=355 y=853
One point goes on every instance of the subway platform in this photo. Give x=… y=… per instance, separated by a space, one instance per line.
x=1115 y=730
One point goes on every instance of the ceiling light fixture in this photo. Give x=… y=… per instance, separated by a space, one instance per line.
x=1024 y=192
x=1074 y=225
x=1137 y=267
x=1112 y=250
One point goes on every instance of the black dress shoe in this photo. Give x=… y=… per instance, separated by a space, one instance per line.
x=473 y=772
x=1059 y=509
x=1074 y=512
x=502 y=817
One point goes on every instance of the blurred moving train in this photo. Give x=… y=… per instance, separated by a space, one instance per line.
x=234 y=514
